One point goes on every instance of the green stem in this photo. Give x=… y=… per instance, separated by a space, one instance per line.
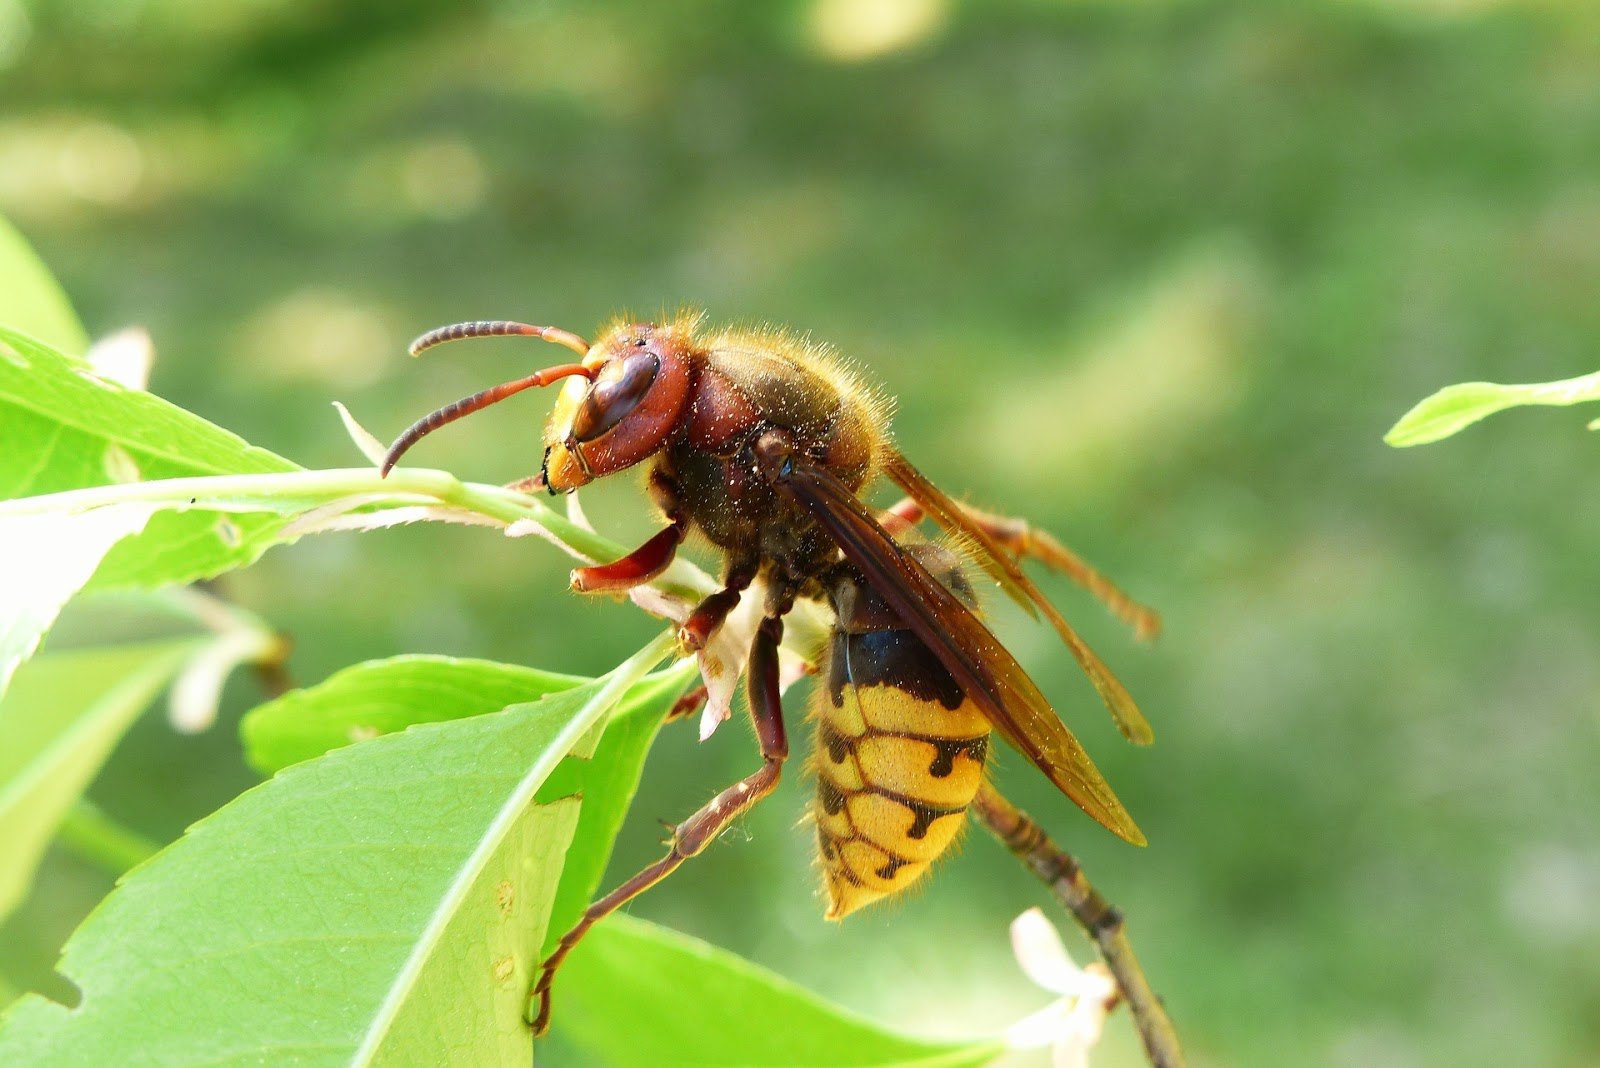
x=286 y=491
x=98 y=838
x=291 y=492
x=499 y=503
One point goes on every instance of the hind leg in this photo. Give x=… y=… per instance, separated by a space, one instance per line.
x=692 y=836
x=1023 y=540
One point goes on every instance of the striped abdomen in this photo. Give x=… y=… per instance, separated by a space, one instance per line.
x=899 y=754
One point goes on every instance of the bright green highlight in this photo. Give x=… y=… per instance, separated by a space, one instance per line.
x=1454 y=408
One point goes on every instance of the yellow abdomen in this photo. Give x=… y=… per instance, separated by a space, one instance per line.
x=899 y=756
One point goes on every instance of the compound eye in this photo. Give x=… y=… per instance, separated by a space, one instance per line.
x=617 y=390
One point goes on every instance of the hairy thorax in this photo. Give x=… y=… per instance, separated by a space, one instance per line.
x=744 y=386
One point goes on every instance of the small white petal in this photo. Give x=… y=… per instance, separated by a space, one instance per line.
x=1038 y=1030
x=1081 y=1030
x=124 y=357
x=1069 y=1053
x=373 y=449
x=197 y=691
x=576 y=514
x=724 y=658
x=792 y=667
x=727 y=656
x=1072 y=1026
x=658 y=603
x=1042 y=955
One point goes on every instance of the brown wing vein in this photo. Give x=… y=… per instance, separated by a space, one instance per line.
x=981 y=665
x=1004 y=570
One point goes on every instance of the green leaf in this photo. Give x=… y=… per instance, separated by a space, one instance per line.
x=686 y=1002
x=380 y=904
x=96 y=837
x=58 y=724
x=382 y=696
x=31 y=299
x=62 y=427
x=44 y=560
x=1456 y=407
x=606 y=779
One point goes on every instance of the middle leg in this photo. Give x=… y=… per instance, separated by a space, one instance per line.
x=710 y=613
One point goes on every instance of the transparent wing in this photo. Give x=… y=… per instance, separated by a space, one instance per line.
x=1003 y=569
x=973 y=655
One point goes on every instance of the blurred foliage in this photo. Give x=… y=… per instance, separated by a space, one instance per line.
x=1454 y=408
x=1158 y=276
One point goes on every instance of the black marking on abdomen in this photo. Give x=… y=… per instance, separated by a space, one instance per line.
x=950 y=748
x=830 y=795
x=925 y=813
x=896 y=658
x=890 y=866
x=944 y=762
x=837 y=745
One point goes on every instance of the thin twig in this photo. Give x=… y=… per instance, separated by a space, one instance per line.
x=1103 y=924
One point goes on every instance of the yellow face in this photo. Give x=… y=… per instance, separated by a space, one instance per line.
x=564 y=469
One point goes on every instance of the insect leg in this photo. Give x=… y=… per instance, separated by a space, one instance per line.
x=692 y=836
x=709 y=613
x=531 y=484
x=1022 y=539
x=1061 y=872
x=641 y=565
x=902 y=516
x=688 y=704
x=649 y=559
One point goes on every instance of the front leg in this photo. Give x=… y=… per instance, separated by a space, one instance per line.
x=649 y=559
x=638 y=567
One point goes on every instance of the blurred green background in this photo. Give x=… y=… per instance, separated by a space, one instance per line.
x=1157 y=275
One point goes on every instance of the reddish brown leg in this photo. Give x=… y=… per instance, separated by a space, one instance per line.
x=709 y=613
x=901 y=516
x=695 y=699
x=531 y=484
x=1022 y=539
x=699 y=830
x=641 y=565
x=1103 y=923
x=688 y=704
x=649 y=559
